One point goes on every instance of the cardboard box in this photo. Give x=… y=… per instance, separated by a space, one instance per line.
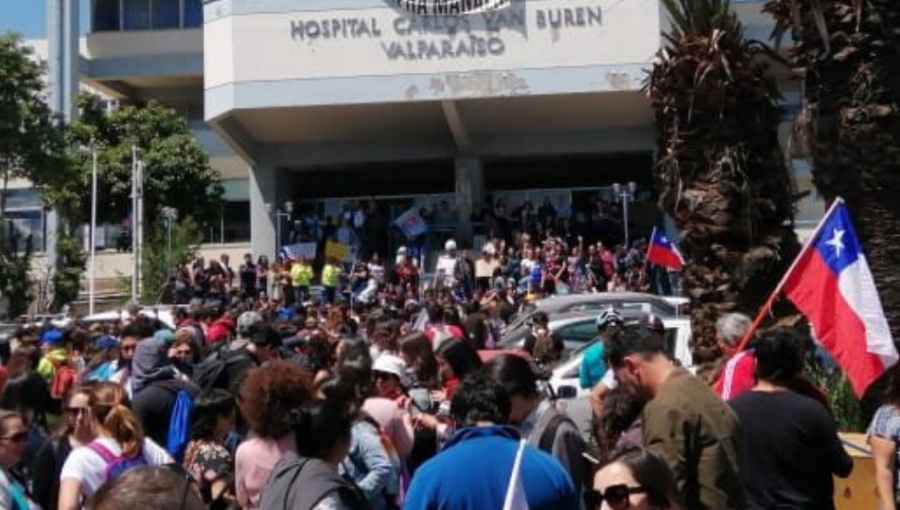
x=858 y=491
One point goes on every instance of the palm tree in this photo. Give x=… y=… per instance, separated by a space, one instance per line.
x=719 y=166
x=848 y=55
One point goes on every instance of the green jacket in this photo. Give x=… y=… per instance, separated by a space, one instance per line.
x=698 y=436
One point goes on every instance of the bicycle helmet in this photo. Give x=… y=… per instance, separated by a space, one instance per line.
x=608 y=318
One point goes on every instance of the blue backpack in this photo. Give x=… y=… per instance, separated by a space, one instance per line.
x=116 y=464
x=179 y=426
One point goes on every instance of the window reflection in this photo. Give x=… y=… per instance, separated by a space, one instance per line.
x=137 y=14
x=166 y=14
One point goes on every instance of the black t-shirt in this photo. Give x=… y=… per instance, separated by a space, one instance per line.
x=153 y=406
x=790 y=451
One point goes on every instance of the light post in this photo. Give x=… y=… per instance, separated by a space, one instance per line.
x=170 y=215
x=279 y=214
x=137 y=221
x=93 y=241
x=625 y=195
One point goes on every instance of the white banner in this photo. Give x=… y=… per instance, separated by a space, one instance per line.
x=450 y=7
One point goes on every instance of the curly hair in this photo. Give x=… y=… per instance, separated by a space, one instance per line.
x=270 y=393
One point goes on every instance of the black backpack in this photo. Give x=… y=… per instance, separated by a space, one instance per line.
x=209 y=373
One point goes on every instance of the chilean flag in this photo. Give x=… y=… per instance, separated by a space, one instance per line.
x=830 y=282
x=663 y=252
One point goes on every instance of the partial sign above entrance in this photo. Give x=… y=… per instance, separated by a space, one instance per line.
x=449 y=7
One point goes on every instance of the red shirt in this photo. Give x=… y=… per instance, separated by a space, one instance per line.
x=737 y=377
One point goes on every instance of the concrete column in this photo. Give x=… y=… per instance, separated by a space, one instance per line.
x=263 y=190
x=469 y=195
x=62 y=38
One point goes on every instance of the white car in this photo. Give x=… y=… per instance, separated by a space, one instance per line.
x=565 y=381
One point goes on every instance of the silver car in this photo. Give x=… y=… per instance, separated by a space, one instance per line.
x=663 y=306
x=575 y=328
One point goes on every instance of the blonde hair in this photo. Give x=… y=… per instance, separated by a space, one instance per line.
x=111 y=408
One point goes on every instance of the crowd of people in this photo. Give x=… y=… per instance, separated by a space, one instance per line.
x=323 y=385
x=378 y=408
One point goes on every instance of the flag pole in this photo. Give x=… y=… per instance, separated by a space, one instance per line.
x=769 y=302
x=650 y=245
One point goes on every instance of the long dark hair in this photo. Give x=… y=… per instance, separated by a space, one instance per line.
x=461 y=357
x=651 y=473
x=417 y=348
x=207 y=410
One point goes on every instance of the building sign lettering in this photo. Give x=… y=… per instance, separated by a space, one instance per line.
x=449 y=7
x=410 y=38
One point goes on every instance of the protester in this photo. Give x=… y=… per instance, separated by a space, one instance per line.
x=368 y=464
x=475 y=468
x=634 y=479
x=120 y=443
x=884 y=439
x=793 y=450
x=266 y=399
x=593 y=366
x=309 y=479
x=684 y=422
x=737 y=371
x=206 y=457
x=53 y=454
x=149 y=488
x=535 y=417
x=157 y=387
x=13 y=436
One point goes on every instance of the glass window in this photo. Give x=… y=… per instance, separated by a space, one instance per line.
x=22 y=198
x=25 y=227
x=579 y=332
x=193 y=13
x=106 y=15
x=166 y=13
x=137 y=14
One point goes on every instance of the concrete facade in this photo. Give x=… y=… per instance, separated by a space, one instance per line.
x=292 y=98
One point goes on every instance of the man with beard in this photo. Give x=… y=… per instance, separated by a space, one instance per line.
x=684 y=422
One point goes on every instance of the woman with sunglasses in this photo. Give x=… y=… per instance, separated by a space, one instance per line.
x=119 y=436
x=53 y=454
x=633 y=479
x=13 y=436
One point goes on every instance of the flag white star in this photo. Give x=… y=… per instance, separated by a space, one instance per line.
x=836 y=241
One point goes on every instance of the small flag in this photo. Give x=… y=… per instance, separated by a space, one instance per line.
x=298 y=251
x=830 y=282
x=411 y=223
x=515 y=491
x=663 y=252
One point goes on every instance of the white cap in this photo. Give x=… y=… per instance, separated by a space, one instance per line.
x=489 y=249
x=390 y=364
x=450 y=245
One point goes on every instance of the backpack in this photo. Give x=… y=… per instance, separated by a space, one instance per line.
x=64 y=378
x=208 y=374
x=116 y=464
x=179 y=426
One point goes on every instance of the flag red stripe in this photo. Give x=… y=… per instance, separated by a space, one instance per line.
x=814 y=289
x=663 y=257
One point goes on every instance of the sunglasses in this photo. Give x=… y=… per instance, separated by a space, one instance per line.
x=17 y=438
x=382 y=376
x=617 y=496
x=76 y=411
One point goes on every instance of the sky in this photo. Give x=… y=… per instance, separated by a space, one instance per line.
x=28 y=17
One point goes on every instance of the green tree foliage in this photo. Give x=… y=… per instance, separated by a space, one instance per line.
x=33 y=147
x=186 y=236
x=177 y=172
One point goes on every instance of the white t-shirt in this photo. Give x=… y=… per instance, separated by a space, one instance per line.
x=89 y=468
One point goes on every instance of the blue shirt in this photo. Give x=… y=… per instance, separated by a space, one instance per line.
x=593 y=368
x=473 y=472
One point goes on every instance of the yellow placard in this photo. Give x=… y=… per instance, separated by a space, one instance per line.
x=337 y=251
